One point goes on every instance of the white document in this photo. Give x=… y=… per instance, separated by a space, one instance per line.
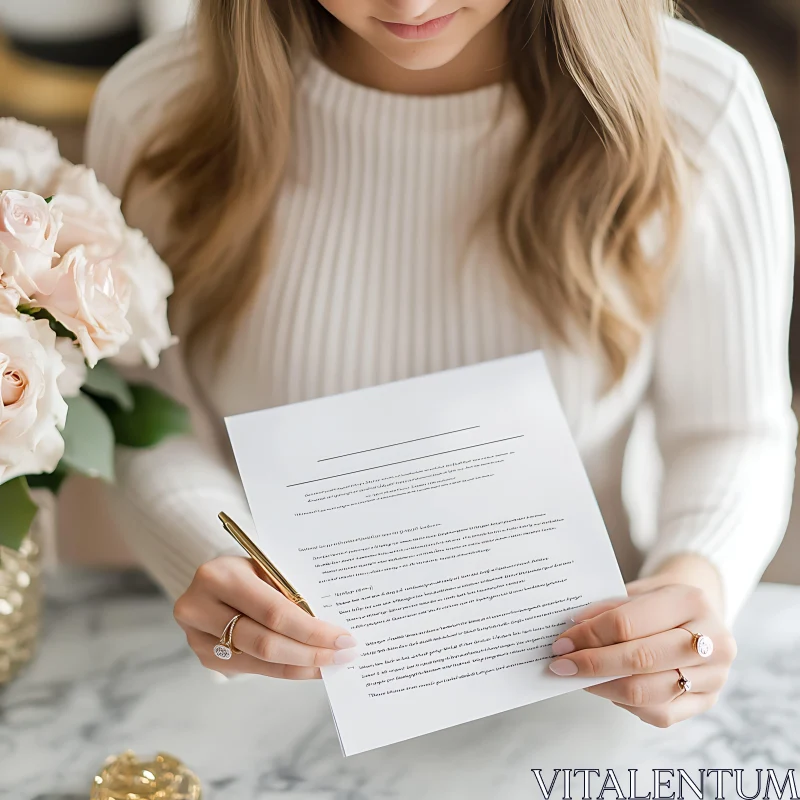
x=448 y=523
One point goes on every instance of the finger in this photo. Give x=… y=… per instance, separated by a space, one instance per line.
x=211 y=616
x=658 y=653
x=236 y=583
x=643 y=615
x=593 y=609
x=267 y=645
x=203 y=646
x=660 y=687
x=684 y=707
x=204 y=613
x=643 y=585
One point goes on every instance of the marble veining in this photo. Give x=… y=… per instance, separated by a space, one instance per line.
x=114 y=672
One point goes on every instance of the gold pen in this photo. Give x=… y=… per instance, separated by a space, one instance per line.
x=273 y=573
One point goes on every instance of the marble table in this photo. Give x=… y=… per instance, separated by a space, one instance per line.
x=114 y=673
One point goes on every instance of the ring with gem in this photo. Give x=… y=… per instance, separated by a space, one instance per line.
x=683 y=682
x=702 y=644
x=224 y=649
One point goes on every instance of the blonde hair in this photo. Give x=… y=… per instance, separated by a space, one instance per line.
x=596 y=163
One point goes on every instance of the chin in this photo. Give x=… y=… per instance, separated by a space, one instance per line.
x=421 y=56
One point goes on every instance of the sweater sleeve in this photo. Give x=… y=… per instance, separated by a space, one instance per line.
x=166 y=499
x=722 y=392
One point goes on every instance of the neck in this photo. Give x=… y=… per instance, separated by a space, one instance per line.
x=481 y=63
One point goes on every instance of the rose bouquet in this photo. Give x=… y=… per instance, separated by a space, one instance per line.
x=80 y=292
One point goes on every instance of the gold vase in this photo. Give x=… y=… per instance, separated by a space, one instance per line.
x=127 y=777
x=21 y=591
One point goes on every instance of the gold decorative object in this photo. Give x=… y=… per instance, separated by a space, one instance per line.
x=21 y=591
x=125 y=777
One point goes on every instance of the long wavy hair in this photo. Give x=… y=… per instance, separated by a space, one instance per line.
x=597 y=161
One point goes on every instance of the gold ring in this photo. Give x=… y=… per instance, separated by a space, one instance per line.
x=683 y=682
x=224 y=649
x=702 y=644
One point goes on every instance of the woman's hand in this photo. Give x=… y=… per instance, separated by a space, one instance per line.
x=276 y=637
x=640 y=636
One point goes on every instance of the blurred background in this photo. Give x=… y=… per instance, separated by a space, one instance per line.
x=53 y=53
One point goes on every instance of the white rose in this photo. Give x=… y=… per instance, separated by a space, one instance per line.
x=92 y=302
x=28 y=156
x=32 y=409
x=91 y=215
x=74 y=374
x=28 y=233
x=151 y=284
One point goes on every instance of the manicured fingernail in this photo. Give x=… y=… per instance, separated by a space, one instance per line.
x=564 y=667
x=563 y=646
x=344 y=656
x=345 y=642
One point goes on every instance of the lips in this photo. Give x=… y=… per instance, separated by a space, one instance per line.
x=427 y=30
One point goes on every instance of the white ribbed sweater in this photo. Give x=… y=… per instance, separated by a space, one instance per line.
x=379 y=274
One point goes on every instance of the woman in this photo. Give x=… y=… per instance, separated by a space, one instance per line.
x=356 y=191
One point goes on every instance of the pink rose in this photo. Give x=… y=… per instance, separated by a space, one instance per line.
x=28 y=232
x=74 y=374
x=32 y=410
x=9 y=300
x=28 y=156
x=151 y=284
x=91 y=215
x=92 y=218
x=91 y=301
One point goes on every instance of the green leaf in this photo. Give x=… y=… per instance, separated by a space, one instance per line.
x=88 y=439
x=52 y=481
x=18 y=512
x=154 y=417
x=105 y=381
x=55 y=325
x=49 y=200
x=58 y=328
